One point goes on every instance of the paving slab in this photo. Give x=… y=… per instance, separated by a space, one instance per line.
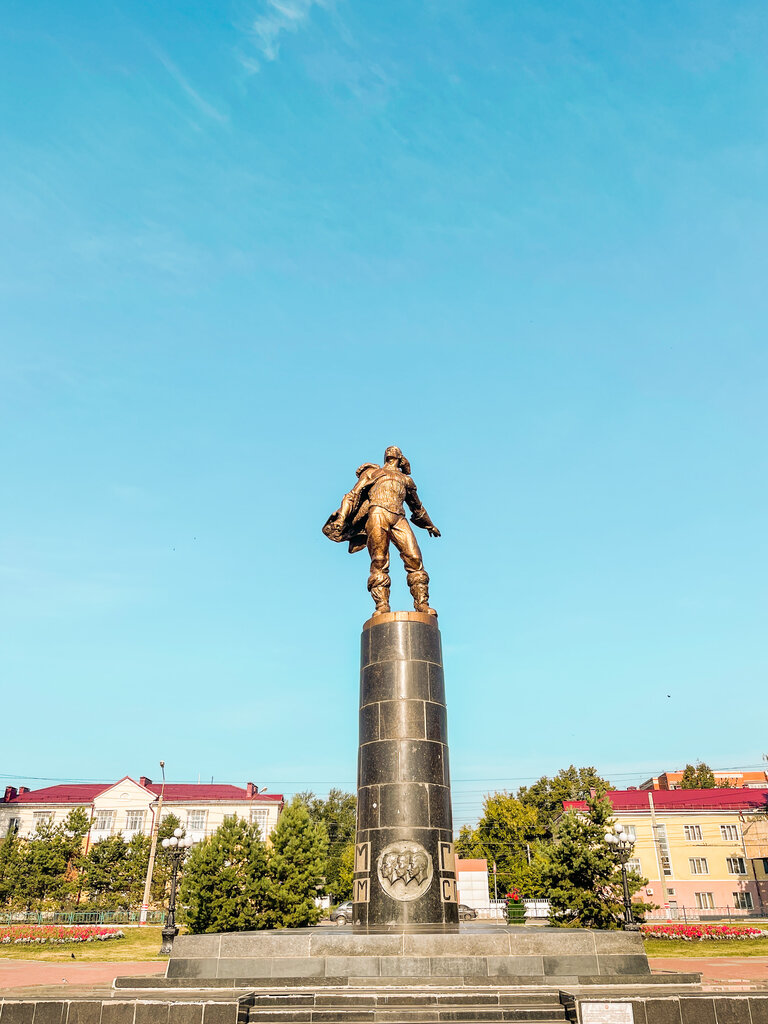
x=17 y=977
x=716 y=971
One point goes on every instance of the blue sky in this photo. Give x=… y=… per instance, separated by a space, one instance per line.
x=245 y=246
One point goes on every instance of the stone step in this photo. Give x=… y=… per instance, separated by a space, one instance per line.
x=407 y=1013
x=408 y=998
x=400 y=1015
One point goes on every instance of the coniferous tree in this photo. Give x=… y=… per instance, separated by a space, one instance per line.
x=583 y=874
x=296 y=863
x=10 y=869
x=224 y=880
x=104 y=872
x=338 y=812
x=50 y=859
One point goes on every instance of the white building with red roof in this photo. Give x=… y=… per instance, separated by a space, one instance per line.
x=129 y=807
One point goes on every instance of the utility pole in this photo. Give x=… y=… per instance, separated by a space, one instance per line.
x=152 y=850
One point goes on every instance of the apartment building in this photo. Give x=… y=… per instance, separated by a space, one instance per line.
x=702 y=849
x=735 y=779
x=128 y=807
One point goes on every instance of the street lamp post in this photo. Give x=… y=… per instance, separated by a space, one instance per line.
x=619 y=841
x=177 y=847
x=152 y=849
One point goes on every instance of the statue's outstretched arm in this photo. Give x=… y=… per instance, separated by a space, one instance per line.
x=419 y=515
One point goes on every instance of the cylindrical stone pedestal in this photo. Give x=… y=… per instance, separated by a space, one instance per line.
x=404 y=863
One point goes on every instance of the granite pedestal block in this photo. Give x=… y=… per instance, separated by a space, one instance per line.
x=473 y=957
x=404 y=863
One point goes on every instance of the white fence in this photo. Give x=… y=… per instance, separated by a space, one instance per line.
x=497 y=911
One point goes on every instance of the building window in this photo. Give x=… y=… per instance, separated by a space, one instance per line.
x=730 y=833
x=260 y=817
x=664 y=855
x=742 y=900
x=704 y=900
x=104 y=821
x=13 y=826
x=765 y=865
x=134 y=821
x=633 y=864
x=692 y=832
x=41 y=816
x=736 y=865
x=196 y=821
x=698 y=865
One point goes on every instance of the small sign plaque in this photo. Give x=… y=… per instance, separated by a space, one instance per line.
x=361 y=890
x=448 y=890
x=447 y=857
x=362 y=858
x=607 y=1013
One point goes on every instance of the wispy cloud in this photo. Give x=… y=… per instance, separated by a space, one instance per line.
x=278 y=17
x=186 y=86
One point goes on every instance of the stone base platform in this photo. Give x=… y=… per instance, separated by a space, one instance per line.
x=405 y=1005
x=474 y=957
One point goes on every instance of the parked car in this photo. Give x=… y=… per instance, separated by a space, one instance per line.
x=466 y=913
x=343 y=913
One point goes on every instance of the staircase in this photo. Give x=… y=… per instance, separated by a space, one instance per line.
x=407 y=1006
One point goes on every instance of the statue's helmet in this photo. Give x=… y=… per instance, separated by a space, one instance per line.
x=393 y=452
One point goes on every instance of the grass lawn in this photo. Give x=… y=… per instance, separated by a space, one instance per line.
x=138 y=944
x=709 y=947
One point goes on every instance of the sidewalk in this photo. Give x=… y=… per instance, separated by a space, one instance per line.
x=718 y=971
x=16 y=976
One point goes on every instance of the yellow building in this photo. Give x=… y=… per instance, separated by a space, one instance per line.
x=703 y=851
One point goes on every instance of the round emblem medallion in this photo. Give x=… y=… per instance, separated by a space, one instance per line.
x=405 y=870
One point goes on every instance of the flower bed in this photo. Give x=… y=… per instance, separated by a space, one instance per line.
x=51 y=934
x=697 y=932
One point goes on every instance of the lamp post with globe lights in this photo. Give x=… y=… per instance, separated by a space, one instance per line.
x=176 y=846
x=619 y=841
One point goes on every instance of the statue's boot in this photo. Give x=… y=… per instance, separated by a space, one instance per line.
x=418 y=583
x=378 y=585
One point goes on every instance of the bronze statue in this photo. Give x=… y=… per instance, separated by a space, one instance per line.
x=371 y=515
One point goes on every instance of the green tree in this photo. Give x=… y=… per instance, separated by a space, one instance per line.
x=338 y=812
x=297 y=859
x=583 y=874
x=105 y=873
x=345 y=875
x=698 y=776
x=224 y=882
x=509 y=834
x=547 y=795
x=10 y=869
x=49 y=861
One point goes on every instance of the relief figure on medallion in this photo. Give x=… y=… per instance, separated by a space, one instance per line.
x=372 y=515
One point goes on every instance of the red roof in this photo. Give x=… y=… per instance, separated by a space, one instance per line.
x=471 y=864
x=79 y=793
x=749 y=800
x=184 y=793
x=67 y=794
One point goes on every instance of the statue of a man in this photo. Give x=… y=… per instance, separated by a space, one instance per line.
x=372 y=514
